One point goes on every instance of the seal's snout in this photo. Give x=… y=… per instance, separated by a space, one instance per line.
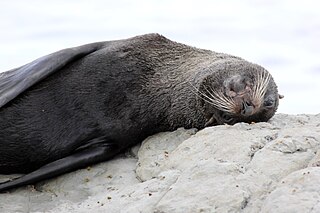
x=247 y=108
x=239 y=89
x=244 y=104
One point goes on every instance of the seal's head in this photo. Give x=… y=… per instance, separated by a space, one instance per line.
x=238 y=91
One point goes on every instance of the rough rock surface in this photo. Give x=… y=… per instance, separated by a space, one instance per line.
x=262 y=167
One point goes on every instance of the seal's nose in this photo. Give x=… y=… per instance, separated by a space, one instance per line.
x=247 y=108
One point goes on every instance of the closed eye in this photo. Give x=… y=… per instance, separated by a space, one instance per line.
x=269 y=103
x=227 y=118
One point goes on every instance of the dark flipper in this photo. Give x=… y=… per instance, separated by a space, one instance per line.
x=15 y=81
x=73 y=162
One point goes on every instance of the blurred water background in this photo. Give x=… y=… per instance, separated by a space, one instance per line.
x=281 y=35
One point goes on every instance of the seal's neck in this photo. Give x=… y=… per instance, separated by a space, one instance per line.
x=176 y=95
x=170 y=83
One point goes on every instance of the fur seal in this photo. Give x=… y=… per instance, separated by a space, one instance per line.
x=84 y=105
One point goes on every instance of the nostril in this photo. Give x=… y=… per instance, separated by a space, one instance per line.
x=248 y=103
x=247 y=108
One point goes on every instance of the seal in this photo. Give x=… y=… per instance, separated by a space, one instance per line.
x=84 y=105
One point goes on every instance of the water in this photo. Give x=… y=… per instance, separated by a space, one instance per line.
x=283 y=36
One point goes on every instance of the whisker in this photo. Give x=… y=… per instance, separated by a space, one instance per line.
x=221 y=101
x=201 y=96
x=217 y=99
x=215 y=95
x=261 y=85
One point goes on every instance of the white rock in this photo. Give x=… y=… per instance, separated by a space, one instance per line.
x=298 y=192
x=156 y=149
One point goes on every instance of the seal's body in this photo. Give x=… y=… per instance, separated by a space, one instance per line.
x=84 y=105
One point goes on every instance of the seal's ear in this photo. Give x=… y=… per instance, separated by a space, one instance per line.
x=15 y=81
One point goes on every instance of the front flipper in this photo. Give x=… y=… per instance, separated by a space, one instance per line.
x=80 y=159
x=15 y=81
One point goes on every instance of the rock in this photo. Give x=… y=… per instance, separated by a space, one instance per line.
x=297 y=192
x=315 y=160
x=262 y=167
x=156 y=149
